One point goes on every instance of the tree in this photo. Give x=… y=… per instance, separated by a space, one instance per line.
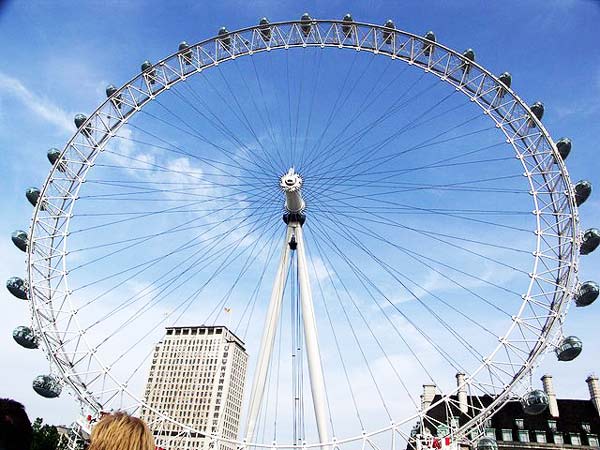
x=45 y=437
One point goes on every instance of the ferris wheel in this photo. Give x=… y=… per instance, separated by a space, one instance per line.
x=430 y=229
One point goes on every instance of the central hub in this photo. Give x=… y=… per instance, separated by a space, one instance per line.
x=291 y=184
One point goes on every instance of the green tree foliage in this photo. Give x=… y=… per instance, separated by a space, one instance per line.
x=45 y=437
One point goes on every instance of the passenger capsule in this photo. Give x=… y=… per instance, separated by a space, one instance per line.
x=587 y=293
x=535 y=402
x=19 y=238
x=583 y=189
x=17 y=287
x=487 y=443
x=591 y=240
x=47 y=386
x=150 y=71
x=264 y=29
x=224 y=38
x=305 y=23
x=537 y=109
x=389 y=27
x=110 y=90
x=187 y=52
x=347 y=25
x=428 y=47
x=115 y=99
x=563 y=145
x=25 y=337
x=33 y=195
x=506 y=79
x=79 y=120
x=569 y=348
x=469 y=55
x=53 y=156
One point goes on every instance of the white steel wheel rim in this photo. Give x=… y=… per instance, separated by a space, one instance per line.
x=552 y=193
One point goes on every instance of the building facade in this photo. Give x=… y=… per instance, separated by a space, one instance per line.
x=572 y=424
x=197 y=378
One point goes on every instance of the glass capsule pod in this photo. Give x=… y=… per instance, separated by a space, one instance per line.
x=469 y=54
x=25 y=337
x=79 y=120
x=506 y=79
x=224 y=38
x=110 y=92
x=150 y=72
x=587 y=293
x=53 y=156
x=388 y=32
x=47 y=386
x=583 y=189
x=18 y=287
x=347 y=25
x=563 y=145
x=535 y=402
x=20 y=238
x=186 y=56
x=591 y=240
x=264 y=29
x=487 y=443
x=305 y=24
x=537 y=109
x=33 y=195
x=569 y=348
x=427 y=47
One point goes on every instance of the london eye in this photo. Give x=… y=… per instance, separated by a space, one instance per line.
x=365 y=208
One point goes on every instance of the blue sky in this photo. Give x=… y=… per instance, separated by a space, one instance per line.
x=59 y=58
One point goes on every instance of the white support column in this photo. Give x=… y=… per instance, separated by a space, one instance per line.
x=317 y=381
x=268 y=340
x=291 y=184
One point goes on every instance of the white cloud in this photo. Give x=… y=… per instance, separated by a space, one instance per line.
x=40 y=106
x=20 y=366
x=320 y=270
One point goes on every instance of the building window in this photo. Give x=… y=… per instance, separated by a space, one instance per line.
x=454 y=422
x=575 y=438
x=519 y=423
x=593 y=440
x=507 y=434
x=523 y=436
x=540 y=436
x=490 y=432
x=552 y=425
x=442 y=430
x=585 y=426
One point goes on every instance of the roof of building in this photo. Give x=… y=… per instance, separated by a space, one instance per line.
x=572 y=415
x=234 y=337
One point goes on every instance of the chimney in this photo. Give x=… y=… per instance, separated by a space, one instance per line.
x=592 y=382
x=549 y=390
x=463 y=404
x=427 y=397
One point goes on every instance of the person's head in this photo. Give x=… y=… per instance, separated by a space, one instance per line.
x=15 y=427
x=120 y=431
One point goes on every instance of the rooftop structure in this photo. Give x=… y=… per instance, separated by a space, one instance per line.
x=197 y=378
x=565 y=423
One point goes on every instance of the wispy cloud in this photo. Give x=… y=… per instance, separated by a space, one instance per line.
x=37 y=104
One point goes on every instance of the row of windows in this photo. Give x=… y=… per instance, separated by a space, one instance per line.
x=540 y=436
x=194 y=331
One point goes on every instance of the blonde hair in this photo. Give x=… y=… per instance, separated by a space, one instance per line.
x=120 y=431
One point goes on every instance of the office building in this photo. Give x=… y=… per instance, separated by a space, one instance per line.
x=196 y=378
x=572 y=424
